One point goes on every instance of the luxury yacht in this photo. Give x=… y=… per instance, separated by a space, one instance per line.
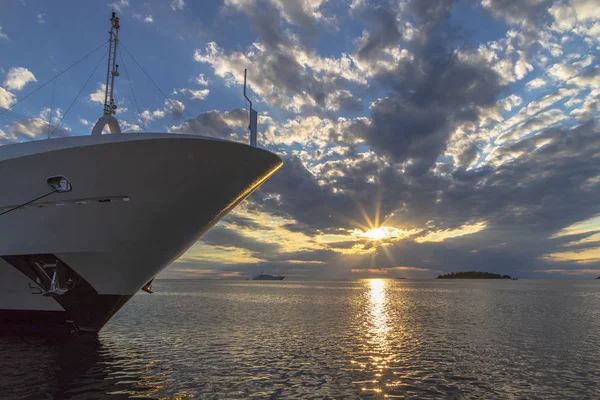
x=88 y=221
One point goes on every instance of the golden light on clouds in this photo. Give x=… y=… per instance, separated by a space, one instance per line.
x=203 y=253
x=587 y=271
x=589 y=225
x=369 y=271
x=590 y=239
x=585 y=256
x=440 y=236
x=272 y=230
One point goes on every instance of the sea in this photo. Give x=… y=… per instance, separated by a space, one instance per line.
x=364 y=339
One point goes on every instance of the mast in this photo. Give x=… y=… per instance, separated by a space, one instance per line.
x=112 y=71
x=253 y=117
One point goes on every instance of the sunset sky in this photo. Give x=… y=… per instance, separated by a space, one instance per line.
x=418 y=137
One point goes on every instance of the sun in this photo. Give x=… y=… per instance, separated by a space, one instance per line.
x=380 y=233
x=377 y=233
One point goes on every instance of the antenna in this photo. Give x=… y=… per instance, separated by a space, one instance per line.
x=253 y=116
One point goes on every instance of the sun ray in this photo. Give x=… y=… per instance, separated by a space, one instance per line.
x=378 y=206
x=365 y=215
x=389 y=255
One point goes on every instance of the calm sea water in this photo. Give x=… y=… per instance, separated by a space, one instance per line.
x=361 y=339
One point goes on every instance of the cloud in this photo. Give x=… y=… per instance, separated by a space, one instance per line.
x=387 y=32
x=201 y=80
x=173 y=107
x=584 y=256
x=148 y=19
x=2 y=34
x=431 y=92
x=18 y=77
x=563 y=71
x=343 y=100
x=41 y=18
x=283 y=72
x=28 y=129
x=590 y=225
x=119 y=5
x=535 y=84
x=440 y=236
x=525 y=13
x=7 y=99
x=148 y=116
x=574 y=14
x=176 y=107
x=402 y=270
x=127 y=126
x=219 y=124
x=575 y=272
x=194 y=94
x=177 y=4
x=98 y=95
x=540 y=121
x=588 y=79
x=302 y=13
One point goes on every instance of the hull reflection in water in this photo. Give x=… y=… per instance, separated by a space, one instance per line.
x=86 y=368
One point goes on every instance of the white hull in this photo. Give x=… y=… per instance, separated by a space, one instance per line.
x=138 y=202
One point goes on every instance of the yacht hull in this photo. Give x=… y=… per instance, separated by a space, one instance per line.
x=138 y=202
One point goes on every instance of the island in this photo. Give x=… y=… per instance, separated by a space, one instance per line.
x=472 y=275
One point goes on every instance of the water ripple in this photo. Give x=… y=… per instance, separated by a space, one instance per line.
x=366 y=339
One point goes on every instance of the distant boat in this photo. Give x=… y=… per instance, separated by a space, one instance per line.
x=266 y=277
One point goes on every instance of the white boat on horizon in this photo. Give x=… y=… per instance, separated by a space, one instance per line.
x=88 y=221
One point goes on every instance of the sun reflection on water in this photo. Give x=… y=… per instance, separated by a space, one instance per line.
x=377 y=330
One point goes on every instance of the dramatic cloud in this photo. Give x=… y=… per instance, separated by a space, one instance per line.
x=223 y=125
x=418 y=137
x=467 y=171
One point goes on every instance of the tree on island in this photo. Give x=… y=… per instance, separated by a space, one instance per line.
x=472 y=275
